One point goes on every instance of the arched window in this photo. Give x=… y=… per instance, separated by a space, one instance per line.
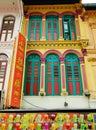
x=32 y=75
x=52 y=75
x=35 y=28
x=7 y=28
x=69 y=27
x=52 y=28
x=3 y=67
x=73 y=75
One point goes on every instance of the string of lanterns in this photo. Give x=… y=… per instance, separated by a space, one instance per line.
x=47 y=121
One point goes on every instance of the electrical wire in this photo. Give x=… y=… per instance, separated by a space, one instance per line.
x=42 y=108
x=34 y=105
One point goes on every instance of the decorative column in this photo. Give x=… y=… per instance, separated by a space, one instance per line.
x=77 y=28
x=26 y=26
x=43 y=28
x=42 y=77
x=60 y=29
x=63 y=82
x=93 y=27
x=84 y=80
x=90 y=62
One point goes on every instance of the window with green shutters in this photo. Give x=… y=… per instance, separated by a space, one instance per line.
x=32 y=75
x=52 y=28
x=35 y=28
x=52 y=75
x=73 y=75
x=69 y=27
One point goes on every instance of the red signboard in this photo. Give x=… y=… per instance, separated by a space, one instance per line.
x=18 y=72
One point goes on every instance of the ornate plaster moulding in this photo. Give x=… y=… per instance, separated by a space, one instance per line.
x=4 y=45
x=73 y=7
x=91 y=59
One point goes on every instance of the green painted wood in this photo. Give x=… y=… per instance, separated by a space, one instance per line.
x=73 y=73
x=35 y=26
x=52 y=27
x=69 y=31
x=32 y=73
x=52 y=75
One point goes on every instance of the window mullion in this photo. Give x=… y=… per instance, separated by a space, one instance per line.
x=73 y=78
x=52 y=78
x=32 y=77
x=7 y=31
x=69 y=28
x=49 y=77
x=52 y=30
x=35 y=29
x=80 y=80
x=30 y=29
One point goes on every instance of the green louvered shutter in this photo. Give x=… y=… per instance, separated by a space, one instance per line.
x=32 y=75
x=69 y=28
x=73 y=75
x=52 y=75
x=35 y=28
x=52 y=28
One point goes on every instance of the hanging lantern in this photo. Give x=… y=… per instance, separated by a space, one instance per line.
x=46 y=126
x=3 y=127
x=10 y=119
x=60 y=126
x=68 y=125
x=17 y=118
x=74 y=117
x=82 y=126
x=39 y=127
x=81 y=118
x=52 y=116
x=46 y=117
x=17 y=126
x=38 y=118
x=90 y=126
x=53 y=126
x=75 y=125
x=10 y=126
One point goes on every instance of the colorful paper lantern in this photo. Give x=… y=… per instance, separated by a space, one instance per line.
x=82 y=126
x=46 y=126
x=90 y=126
x=52 y=116
x=39 y=127
x=68 y=125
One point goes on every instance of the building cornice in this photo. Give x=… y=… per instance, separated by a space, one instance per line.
x=76 y=8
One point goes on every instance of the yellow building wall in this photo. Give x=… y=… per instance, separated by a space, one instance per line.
x=82 y=29
x=87 y=31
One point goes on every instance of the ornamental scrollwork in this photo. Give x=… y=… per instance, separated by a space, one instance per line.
x=91 y=59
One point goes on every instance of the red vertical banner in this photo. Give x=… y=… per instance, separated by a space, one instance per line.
x=18 y=72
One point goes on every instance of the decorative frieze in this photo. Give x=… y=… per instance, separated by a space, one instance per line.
x=57 y=44
x=91 y=59
x=9 y=9
x=44 y=7
x=92 y=25
x=8 y=45
x=91 y=13
x=59 y=8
